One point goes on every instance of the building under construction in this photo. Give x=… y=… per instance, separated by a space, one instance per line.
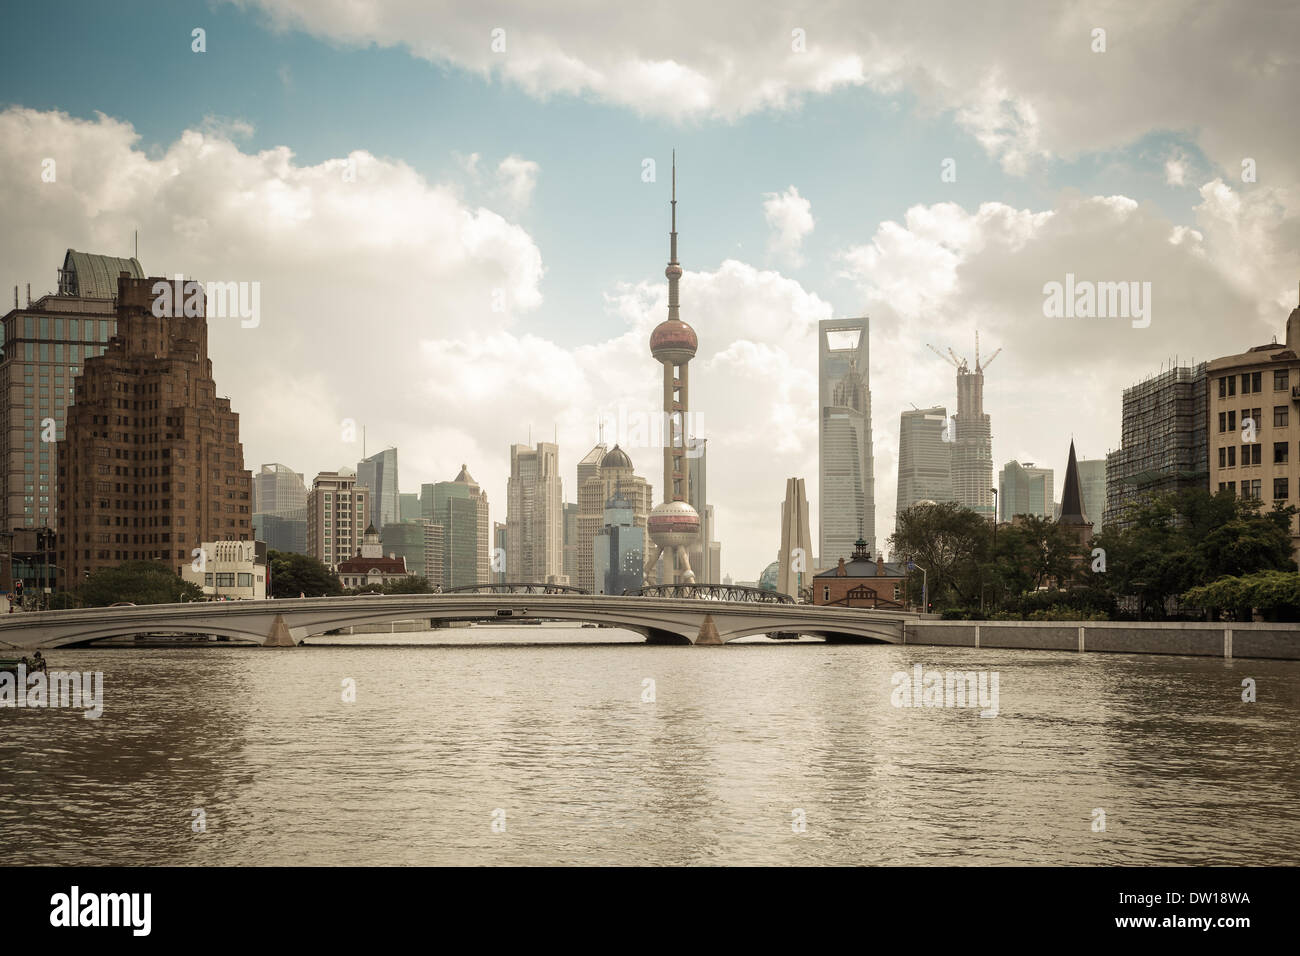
x=1163 y=441
x=972 y=448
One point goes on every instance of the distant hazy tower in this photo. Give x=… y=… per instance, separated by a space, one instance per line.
x=972 y=451
x=795 y=568
x=534 y=515
x=847 y=493
x=674 y=525
x=924 y=457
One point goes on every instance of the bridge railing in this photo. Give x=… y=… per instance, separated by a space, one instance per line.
x=713 y=592
x=514 y=588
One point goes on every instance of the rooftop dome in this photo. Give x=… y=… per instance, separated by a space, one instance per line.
x=616 y=458
x=673 y=523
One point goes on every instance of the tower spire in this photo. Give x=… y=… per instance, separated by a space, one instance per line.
x=674 y=270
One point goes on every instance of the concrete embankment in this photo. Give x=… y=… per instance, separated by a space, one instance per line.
x=1275 y=641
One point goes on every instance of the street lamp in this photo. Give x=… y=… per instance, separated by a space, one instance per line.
x=925 y=585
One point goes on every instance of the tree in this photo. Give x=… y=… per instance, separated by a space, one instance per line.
x=950 y=542
x=411 y=584
x=293 y=574
x=139 y=582
x=1275 y=594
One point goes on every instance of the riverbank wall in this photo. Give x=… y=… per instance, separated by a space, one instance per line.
x=1197 y=639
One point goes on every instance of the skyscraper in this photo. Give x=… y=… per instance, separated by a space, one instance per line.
x=379 y=474
x=1163 y=438
x=280 y=508
x=459 y=508
x=45 y=347
x=534 y=515
x=338 y=512
x=482 y=531
x=924 y=457
x=614 y=478
x=619 y=549
x=1025 y=489
x=1092 y=486
x=972 y=450
x=179 y=478
x=795 y=559
x=846 y=477
x=674 y=525
x=702 y=553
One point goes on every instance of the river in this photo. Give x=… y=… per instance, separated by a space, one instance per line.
x=555 y=753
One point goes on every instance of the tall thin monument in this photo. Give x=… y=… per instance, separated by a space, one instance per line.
x=674 y=525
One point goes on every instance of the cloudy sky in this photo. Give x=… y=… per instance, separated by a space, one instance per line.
x=451 y=213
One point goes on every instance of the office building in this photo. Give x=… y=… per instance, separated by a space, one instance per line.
x=280 y=508
x=338 y=512
x=619 y=549
x=535 y=515
x=378 y=473
x=1261 y=388
x=46 y=345
x=613 y=477
x=151 y=465
x=924 y=458
x=847 y=486
x=1092 y=485
x=1025 y=489
x=1163 y=441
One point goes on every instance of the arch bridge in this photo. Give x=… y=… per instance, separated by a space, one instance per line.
x=285 y=622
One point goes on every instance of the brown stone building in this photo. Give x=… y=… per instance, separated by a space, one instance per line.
x=1254 y=423
x=151 y=464
x=861 y=582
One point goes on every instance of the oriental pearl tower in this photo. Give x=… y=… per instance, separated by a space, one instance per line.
x=674 y=525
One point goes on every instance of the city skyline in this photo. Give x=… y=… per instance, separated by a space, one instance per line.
x=781 y=237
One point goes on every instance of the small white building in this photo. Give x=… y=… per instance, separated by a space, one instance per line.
x=230 y=570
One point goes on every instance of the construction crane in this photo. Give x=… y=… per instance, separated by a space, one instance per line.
x=960 y=364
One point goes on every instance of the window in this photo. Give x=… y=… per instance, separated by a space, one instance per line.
x=1232 y=456
x=826 y=593
x=1232 y=385
x=1279 y=416
x=1281 y=378
x=1245 y=383
x=1232 y=420
x=1251 y=489
x=1281 y=450
x=1251 y=454
x=1256 y=379
x=1223 y=387
x=1223 y=421
x=1223 y=459
x=1280 y=488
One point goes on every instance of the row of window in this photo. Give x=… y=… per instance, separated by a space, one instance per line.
x=1228 y=420
x=1252 y=382
x=1253 y=488
x=1253 y=454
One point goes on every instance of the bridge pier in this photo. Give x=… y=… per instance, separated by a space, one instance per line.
x=279 y=635
x=708 y=632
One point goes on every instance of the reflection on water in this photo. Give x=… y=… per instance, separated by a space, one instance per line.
x=712 y=771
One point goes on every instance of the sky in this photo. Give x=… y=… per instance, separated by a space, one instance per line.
x=457 y=214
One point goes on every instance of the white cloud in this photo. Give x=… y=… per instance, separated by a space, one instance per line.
x=516 y=177
x=790 y=218
x=376 y=307
x=1011 y=73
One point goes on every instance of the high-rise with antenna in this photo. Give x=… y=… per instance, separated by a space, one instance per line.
x=972 y=449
